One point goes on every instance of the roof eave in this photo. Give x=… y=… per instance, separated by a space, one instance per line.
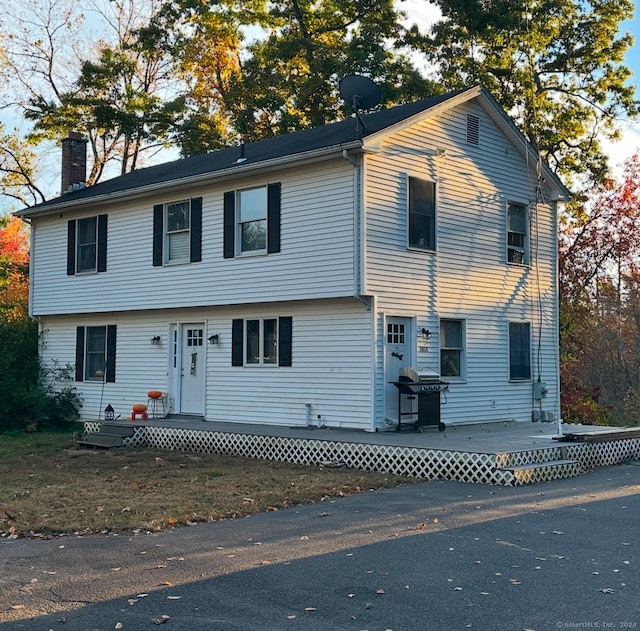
x=235 y=171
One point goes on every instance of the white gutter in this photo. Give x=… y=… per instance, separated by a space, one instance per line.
x=233 y=172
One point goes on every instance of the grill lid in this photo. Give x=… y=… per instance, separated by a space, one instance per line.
x=419 y=374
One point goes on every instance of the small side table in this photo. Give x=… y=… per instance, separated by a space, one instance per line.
x=156 y=408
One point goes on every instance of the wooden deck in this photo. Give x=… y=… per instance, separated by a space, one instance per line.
x=498 y=453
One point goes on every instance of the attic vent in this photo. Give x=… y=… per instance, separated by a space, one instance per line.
x=473 y=130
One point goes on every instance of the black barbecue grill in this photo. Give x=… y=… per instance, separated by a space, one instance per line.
x=426 y=387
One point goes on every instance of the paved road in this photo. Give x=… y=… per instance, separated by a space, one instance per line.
x=440 y=556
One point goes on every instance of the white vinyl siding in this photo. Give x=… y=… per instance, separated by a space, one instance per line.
x=317 y=261
x=332 y=380
x=466 y=279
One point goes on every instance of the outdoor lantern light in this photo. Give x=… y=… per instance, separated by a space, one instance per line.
x=155 y=340
x=426 y=334
x=214 y=339
x=109 y=413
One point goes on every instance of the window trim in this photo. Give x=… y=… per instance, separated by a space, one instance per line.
x=109 y=375
x=184 y=231
x=432 y=245
x=160 y=247
x=73 y=259
x=263 y=220
x=239 y=338
x=462 y=350
x=231 y=245
x=525 y=248
x=512 y=350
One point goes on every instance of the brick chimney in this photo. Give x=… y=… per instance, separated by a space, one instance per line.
x=74 y=163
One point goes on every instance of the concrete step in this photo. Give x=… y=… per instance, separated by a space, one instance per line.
x=543 y=471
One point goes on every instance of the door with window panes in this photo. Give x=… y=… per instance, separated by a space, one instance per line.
x=192 y=369
x=397 y=355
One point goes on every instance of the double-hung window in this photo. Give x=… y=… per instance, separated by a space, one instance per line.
x=421 y=214
x=451 y=348
x=261 y=342
x=87 y=245
x=517 y=235
x=519 y=351
x=178 y=222
x=252 y=221
x=96 y=353
x=177 y=232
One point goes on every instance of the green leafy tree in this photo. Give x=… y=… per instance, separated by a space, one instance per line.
x=286 y=78
x=555 y=65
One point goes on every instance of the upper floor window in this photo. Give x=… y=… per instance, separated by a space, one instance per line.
x=519 y=351
x=261 y=342
x=252 y=221
x=87 y=245
x=177 y=232
x=517 y=235
x=451 y=348
x=421 y=214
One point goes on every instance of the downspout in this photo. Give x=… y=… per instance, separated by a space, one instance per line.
x=359 y=230
x=557 y=319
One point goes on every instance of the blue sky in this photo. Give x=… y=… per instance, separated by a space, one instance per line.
x=424 y=12
x=631 y=140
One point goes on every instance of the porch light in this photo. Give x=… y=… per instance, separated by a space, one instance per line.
x=109 y=413
x=155 y=340
x=426 y=334
x=214 y=339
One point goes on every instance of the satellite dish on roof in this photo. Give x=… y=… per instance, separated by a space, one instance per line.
x=360 y=92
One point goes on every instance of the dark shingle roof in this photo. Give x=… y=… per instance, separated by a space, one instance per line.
x=308 y=140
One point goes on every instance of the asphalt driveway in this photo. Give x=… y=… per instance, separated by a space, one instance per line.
x=439 y=555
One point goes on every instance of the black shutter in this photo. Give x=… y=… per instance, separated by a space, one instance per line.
x=71 y=247
x=110 y=369
x=196 y=230
x=158 y=234
x=102 y=243
x=237 y=344
x=80 y=353
x=273 y=218
x=229 y=228
x=285 y=329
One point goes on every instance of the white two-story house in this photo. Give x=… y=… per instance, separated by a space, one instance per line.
x=287 y=281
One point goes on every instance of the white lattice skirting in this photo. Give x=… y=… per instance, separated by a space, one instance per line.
x=431 y=464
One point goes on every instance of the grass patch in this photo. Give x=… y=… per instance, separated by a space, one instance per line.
x=49 y=486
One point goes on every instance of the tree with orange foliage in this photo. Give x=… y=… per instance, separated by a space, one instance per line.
x=14 y=268
x=600 y=304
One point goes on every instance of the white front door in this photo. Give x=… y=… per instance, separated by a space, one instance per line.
x=397 y=355
x=192 y=369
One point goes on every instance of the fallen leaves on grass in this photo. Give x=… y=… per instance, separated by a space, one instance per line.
x=141 y=490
